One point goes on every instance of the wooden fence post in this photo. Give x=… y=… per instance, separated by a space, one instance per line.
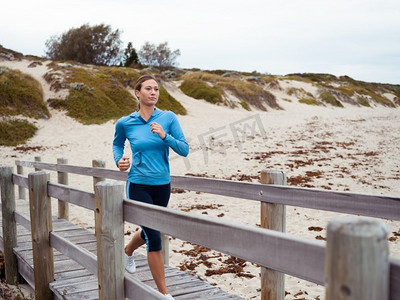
x=165 y=248
x=273 y=216
x=41 y=226
x=37 y=159
x=21 y=189
x=9 y=224
x=109 y=197
x=97 y=163
x=357 y=259
x=63 y=207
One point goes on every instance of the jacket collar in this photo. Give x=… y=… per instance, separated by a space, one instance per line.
x=136 y=114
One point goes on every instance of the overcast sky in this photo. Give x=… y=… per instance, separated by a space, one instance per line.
x=357 y=38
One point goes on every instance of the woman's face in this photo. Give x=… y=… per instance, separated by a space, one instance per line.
x=149 y=92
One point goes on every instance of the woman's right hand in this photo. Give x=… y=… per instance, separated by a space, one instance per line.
x=124 y=163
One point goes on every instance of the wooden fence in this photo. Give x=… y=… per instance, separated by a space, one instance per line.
x=276 y=251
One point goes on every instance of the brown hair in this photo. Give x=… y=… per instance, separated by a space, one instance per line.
x=139 y=82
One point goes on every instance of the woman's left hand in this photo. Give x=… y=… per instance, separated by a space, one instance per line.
x=157 y=128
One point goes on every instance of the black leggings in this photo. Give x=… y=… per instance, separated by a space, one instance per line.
x=151 y=194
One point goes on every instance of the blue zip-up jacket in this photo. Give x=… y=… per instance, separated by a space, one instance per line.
x=150 y=163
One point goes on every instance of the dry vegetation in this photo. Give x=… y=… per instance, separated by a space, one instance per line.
x=252 y=91
x=100 y=94
x=20 y=94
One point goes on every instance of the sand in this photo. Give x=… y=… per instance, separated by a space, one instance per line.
x=344 y=149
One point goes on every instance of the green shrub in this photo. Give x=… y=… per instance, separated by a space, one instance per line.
x=374 y=91
x=20 y=94
x=15 y=132
x=126 y=76
x=309 y=101
x=249 y=92
x=95 y=97
x=199 y=89
x=296 y=77
x=245 y=105
x=382 y=100
x=101 y=94
x=327 y=97
x=291 y=90
x=314 y=77
x=363 y=101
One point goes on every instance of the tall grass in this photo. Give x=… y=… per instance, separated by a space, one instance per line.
x=94 y=97
x=326 y=97
x=100 y=94
x=15 y=132
x=198 y=89
x=250 y=92
x=20 y=94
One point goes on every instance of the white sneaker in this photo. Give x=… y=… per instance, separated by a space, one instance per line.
x=130 y=265
x=168 y=297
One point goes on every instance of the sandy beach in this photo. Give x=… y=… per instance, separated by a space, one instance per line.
x=352 y=149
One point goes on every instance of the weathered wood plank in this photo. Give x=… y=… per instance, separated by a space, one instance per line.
x=134 y=289
x=171 y=274
x=88 y=295
x=23 y=220
x=24 y=163
x=93 y=172
x=20 y=180
x=188 y=288
x=28 y=255
x=62 y=178
x=73 y=232
x=79 y=254
x=75 y=196
x=68 y=281
x=80 y=286
x=345 y=202
x=82 y=239
x=207 y=294
x=387 y=207
x=21 y=189
x=71 y=274
x=197 y=229
x=66 y=266
x=183 y=285
x=61 y=224
x=26 y=270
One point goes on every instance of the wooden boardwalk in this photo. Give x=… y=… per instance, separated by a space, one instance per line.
x=276 y=252
x=72 y=281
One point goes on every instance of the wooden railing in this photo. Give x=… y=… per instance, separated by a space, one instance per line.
x=276 y=251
